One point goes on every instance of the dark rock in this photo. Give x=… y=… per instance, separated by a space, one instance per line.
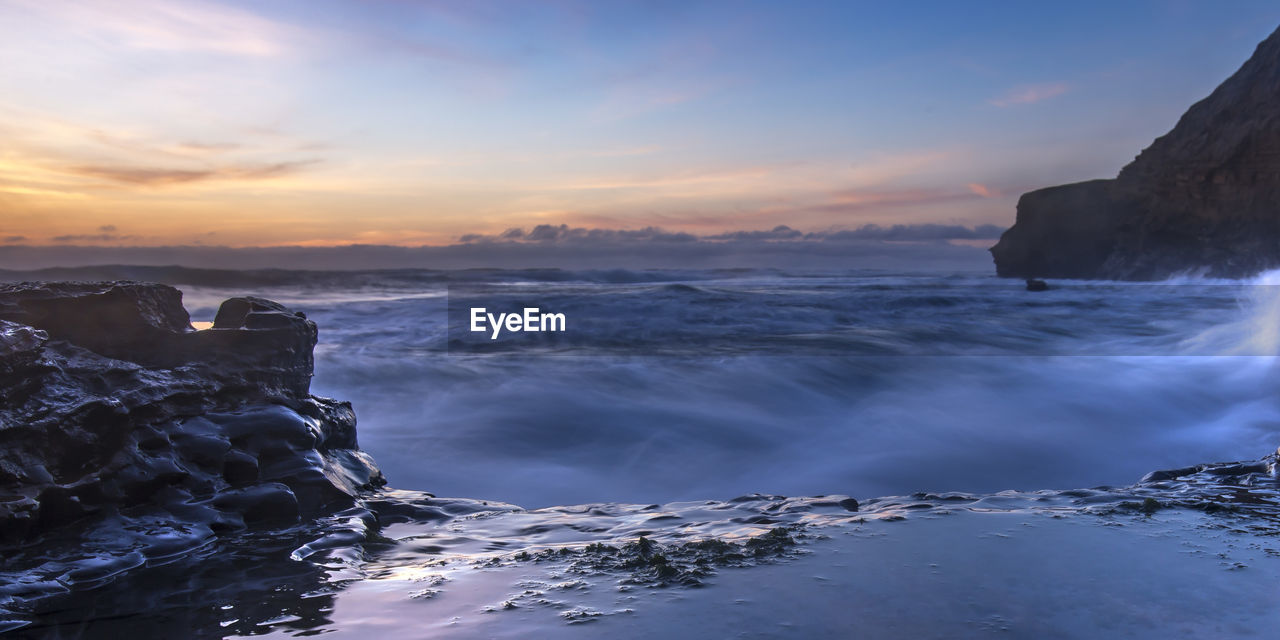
x=849 y=504
x=1172 y=474
x=262 y=503
x=239 y=468
x=122 y=320
x=175 y=471
x=257 y=345
x=1037 y=285
x=1203 y=197
x=20 y=346
x=109 y=400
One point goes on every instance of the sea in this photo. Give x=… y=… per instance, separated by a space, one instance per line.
x=682 y=385
x=738 y=453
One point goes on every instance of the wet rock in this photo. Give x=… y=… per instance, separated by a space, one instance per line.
x=110 y=400
x=262 y=503
x=650 y=563
x=128 y=321
x=20 y=346
x=1037 y=285
x=1172 y=474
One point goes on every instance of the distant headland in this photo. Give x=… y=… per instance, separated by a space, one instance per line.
x=1203 y=198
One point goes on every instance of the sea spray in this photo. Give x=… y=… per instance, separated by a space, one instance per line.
x=1088 y=383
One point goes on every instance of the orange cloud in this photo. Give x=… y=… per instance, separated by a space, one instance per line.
x=160 y=176
x=983 y=190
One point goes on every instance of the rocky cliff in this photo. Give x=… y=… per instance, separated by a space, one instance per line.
x=1204 y=197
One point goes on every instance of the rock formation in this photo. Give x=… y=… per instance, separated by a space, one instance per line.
x=110 y=400
x=1204 y=197
x=188 y=468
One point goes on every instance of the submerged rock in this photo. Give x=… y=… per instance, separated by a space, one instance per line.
x=1203 y=197
x=1037 y=285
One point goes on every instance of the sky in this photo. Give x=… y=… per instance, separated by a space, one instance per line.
x=325 y=123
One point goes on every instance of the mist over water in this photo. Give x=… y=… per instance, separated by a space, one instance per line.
x=904 y=383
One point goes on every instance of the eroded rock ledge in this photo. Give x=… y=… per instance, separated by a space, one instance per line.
x=1204 y=197
x=110 y=400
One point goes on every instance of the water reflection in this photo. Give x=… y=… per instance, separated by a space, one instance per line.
x=247 y=584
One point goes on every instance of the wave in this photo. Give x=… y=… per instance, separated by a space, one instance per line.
x=1254 y=330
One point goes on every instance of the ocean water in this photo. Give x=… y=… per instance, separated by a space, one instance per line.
x=864 y=453
x=695 y=385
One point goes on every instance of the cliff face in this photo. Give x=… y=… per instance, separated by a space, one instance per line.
x=1203 y=197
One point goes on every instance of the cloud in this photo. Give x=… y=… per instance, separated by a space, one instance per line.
x=863 y=199
x=105 y=234
x=35 y=191
x=161 y=176
x=1029 y=94
x=172 y=26
x=142 y=175
x=984 y=191
x=730 y=177
x=547 y=234
x=208 y=147
x=917 y=233
x=780 y=232
x=89 y=237
x=564 y=234
x=12 y=239
x=50 y=157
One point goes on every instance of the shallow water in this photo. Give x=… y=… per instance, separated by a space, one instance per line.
x=1186 y=553
x=998 y=574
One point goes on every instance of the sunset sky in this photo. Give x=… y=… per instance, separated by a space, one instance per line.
x=408 y=123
